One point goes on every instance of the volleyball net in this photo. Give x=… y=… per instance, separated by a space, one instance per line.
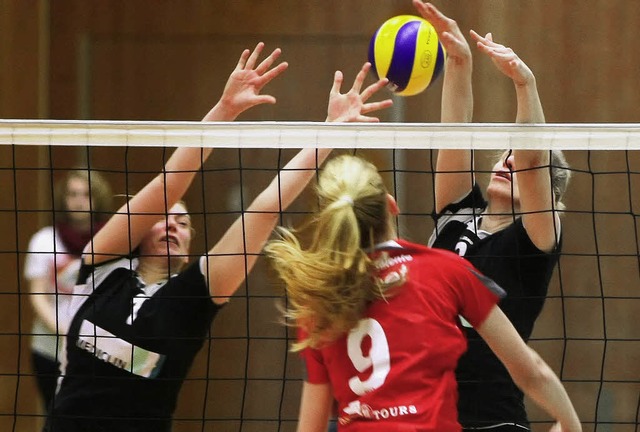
x=244 y=379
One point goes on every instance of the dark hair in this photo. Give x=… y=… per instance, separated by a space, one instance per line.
x=99 y=192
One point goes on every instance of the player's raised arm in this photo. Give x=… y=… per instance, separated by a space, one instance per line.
x=236 y=252
x=531 y=167
x=454 y=177
x=125 y=230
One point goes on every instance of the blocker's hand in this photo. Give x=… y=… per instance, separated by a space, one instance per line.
x=449 y=33
x=505 y=59
x=352 y=106
x=242 y=90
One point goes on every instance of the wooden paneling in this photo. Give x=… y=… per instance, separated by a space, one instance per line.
x=20 y=89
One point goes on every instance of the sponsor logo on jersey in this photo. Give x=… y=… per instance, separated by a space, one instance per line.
x=384 y=262
x=357 y=410
x=107 y=347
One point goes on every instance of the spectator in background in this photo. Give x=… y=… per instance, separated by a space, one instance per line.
x=82 y=201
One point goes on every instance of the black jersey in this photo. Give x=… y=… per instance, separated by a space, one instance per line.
x=129 y=348
x=487 y=394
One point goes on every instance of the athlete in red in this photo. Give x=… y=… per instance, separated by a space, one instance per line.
x=410 y=341
x=378 y=317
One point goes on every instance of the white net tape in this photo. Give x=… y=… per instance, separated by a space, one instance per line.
x=476 y=136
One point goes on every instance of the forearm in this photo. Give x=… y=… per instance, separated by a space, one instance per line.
x=457 y=107
x=290 y=181
x=223 y=111
x=529 y=111
x=529 y=104
x=453 y=178
x=457 y=93
x=43 y=309
x=548 y=392
x=179 y=172
x=530 y=373
x=315 y=407
x=235 y=254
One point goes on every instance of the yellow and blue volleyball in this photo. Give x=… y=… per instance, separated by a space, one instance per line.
x=406 y=50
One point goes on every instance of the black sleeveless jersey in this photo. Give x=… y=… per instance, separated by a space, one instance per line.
x=129 y=348
x=487 y=394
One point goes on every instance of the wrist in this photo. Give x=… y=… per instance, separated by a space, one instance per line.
x=222 y=111
x=527 y=83
x=459 y=61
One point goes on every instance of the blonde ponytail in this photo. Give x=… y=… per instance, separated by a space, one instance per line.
x=331 y=282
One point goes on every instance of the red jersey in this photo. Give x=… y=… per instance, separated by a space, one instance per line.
x=396 y=369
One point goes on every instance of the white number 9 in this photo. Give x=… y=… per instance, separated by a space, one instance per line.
x=378 y=358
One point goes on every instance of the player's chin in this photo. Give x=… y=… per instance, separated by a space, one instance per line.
x=501 y=190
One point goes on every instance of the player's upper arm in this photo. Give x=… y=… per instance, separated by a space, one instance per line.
x=315 y=407
x=454 y=177
x=232 y=258
x=537 y=202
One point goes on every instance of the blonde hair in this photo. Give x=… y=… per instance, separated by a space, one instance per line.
x=560 y=176
x=331 y=282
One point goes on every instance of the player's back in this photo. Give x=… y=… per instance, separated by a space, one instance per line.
x=396 y=369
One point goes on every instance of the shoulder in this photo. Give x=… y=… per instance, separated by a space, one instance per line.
x=453 y=219
x=189 y=282
x=44 y=236
x=429 y=253
x=428 y=260
x=100 y=271
x=472 y=200
x=516 y=237
x=448 y=266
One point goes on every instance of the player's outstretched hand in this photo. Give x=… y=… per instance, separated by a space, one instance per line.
x=242 y=90
x=505 y=59
x=352 y=106
x=449 y=33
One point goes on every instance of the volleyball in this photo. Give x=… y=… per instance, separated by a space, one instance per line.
x=406 y=50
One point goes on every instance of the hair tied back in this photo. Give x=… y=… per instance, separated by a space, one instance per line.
x=347 y=199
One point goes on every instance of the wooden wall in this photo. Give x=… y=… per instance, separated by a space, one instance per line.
x=169 y=59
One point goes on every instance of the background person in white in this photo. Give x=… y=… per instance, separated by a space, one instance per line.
x=52 y=264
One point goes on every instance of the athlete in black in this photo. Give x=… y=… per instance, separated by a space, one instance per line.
x=139 y=318
x=513 y=237
x=487 y=394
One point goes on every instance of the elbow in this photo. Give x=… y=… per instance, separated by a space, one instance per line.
x=534 y=374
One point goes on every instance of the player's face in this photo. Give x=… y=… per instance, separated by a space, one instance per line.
x=170 y=236
x=77 y=199
x=503 y=184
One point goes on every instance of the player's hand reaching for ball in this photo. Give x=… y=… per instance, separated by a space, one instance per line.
x=352 y=106
x=505 y=59
x=451 y=38
x=242 y=90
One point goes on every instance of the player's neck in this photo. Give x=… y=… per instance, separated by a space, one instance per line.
x=80 y=225
x=151 y=271
x=495 y=223
x=497 y=217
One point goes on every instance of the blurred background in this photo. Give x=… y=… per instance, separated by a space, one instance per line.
x=169 y=60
